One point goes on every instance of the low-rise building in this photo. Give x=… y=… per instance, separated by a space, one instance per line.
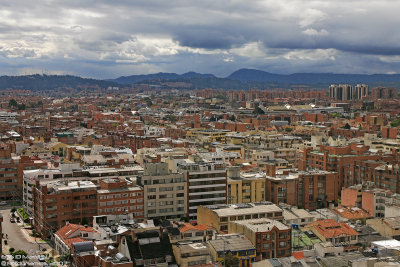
x=236 y=245
x=219 y=216
x=271 y=238
x=387 y=227
x=329 y=230
x=191 y=253
x=71 y=234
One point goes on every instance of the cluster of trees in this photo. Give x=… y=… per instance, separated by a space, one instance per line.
x=15 y=105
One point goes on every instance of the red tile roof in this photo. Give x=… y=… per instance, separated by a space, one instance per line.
x=298 y=255
x=198 y=227
x=70 y=228
x=330 y=228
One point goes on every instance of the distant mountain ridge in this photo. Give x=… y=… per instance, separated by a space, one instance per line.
x=250 y=78
x=159 y=76
x=242 y=79
x=252 y=75
x=37 y=82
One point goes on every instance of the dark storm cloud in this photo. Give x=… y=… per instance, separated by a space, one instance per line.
x=126 y=37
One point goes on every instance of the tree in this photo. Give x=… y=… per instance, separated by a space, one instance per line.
x=257 y=110
x=346 y=126
x=233 y=118
x=20 y=255
x=12 y=103
x=395 y=123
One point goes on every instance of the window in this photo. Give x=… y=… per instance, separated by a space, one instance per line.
x=266 y=246
x=282 y=244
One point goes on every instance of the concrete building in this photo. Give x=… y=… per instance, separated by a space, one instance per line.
x=219 y=216
x=272 y=239
x=191 y=253
x=245 y=187
x=206 y=184
x=341 y=91
x=236 y=245
x=388 y=227
x=360 y=91
x=165 y=194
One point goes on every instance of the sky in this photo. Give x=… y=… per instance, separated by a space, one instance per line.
x=112 y=38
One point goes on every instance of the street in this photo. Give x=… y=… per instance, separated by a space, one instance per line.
x=16 y=238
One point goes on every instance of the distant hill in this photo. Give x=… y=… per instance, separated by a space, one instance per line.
x=243 y=79
x=50 y=82
x=252 y=78
x=159 y=76
x=252 y=75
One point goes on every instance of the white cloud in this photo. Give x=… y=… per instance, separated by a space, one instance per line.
x=314 y=32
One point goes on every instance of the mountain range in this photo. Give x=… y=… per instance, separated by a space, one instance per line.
x=240 y=79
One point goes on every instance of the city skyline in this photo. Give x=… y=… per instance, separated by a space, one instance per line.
x=102 y=40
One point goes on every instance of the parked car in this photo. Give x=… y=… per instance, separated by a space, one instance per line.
x=3 y=203
x=12 y=220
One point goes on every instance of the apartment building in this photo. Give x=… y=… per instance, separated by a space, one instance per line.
x=206 y=184
x=245 y=187
x=11 y=172
x=272 y=239
x=165 y=194
x=55 y=203
x=219 y=216
x=341 y=91
x=379 y=203
x=339 y=159
x=73 y=172
x=310 y=189
x=116 y=197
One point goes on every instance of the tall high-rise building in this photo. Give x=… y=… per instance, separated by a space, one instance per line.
x=341 y=91
x=207 y=184
x=165 y=194
x=361 y=91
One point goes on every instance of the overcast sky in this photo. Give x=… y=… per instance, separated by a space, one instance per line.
x=110 y=38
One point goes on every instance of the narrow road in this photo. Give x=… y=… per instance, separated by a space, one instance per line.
x=16 y=238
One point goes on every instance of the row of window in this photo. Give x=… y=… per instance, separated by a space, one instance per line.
x=123 y=209
x=125 y=195
x=165 y=210
x=120 y=202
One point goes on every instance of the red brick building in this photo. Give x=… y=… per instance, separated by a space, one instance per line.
x=116 y=197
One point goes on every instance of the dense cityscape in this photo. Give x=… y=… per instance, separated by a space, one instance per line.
x=152 y=177
x=201 y=133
